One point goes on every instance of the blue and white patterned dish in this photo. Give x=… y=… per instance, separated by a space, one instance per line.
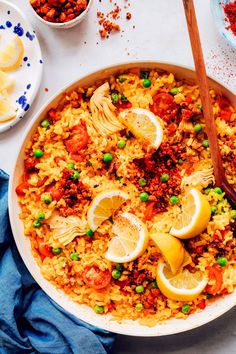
x=28 y=76
x=217 y=10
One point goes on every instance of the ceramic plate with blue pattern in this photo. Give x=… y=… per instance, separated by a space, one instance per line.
x=217 y=10
x=28 y=76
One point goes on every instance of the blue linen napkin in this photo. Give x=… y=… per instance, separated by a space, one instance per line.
x=30 y=322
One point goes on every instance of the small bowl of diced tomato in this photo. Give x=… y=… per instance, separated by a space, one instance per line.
x=60 y=13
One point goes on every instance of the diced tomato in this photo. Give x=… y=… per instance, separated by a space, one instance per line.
x=123 y=105
x=52 y=114
x=202 y=304
x=55 y=192
x=186 y=114
x=30 y=163
x=224 y=291
x=188 y=99
x=96 y=278
x=149 y=212
x=215 y=274
x=199 y=249
x=189 y=171
x=164 y=106
x=223 y=102
x=78 y=139
x=172 y=128
x=77 y=157
x=21 y=187
x=226 y=115
x=41 y=181
x=222 y=233
x=43 y=248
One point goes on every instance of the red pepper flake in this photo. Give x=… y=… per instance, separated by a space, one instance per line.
x=46 y=89
x=128 y=16
x=230 y=11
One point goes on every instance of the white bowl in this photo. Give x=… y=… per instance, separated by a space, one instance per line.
x=64 y=25
x=83 y=312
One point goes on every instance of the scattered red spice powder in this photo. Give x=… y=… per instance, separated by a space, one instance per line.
x=230 y=11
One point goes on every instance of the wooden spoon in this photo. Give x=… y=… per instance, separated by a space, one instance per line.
x=219 y=172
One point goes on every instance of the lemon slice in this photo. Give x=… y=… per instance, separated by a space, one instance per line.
x=183 y=286
x=6 y=83
x=195 y=215
x=131 y=239
x=11 y=55
x=172 y=250
x=7 y=109
x=143 y=124
x=104 y=205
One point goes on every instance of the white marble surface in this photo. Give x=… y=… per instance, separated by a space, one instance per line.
x=157 y=31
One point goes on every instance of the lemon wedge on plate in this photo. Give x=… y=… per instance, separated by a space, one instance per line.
x=6 y=83
x=130 y=240
x=11 y=54
x=7 y=109
x=172 y=251
x=194 y=217
x=143 y=124
x=104 y=205
x=183 y=286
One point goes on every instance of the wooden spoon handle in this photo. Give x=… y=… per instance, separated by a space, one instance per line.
x=204 y=91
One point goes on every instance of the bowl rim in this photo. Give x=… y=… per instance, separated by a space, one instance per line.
x=143 y=331
x=63 y=24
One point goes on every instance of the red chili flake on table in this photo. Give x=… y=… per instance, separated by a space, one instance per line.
x=230 y=11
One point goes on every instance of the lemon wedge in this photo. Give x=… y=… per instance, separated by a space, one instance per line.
x=195 y=215
x=7 y=109
x=6 y=83
x=184 y=286
x=144 y=125
x=11 y=54
x=172 y=250
x=104 y=205
x=130 y=240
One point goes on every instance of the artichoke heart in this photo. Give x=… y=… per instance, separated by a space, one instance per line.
x=104 y=118
x=65 y=229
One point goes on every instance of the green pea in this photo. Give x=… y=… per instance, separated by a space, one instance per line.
x=205 y=143
x=143 y=196
x=99 y=309
x=197 y=128
x=119 y=267
x=142 y=182
x=118 y=178
x=45 y=123
x=233 y=214
x=222 y=261
x=107 y=157
x=139 y=289
x=174 y=199
x=74 y=256
x=180 y=162
x=116 y=274
x=38 y=153
x=89 y=232
x=174 y=91
x=75 y=175
x=164 y=177
x=121 y=79
x=36 y=224
x=139 y=307
x=114 y=97
x=40 y=216
x=124 y=98
x=147 y=83
x=209 y=296
x=218 y=190
x=46 y=198
x=185 y=308
x=70 y=165
x=207 y=190
x=144 y=75
x=56 y=250
x=121 y=144
x=154 y=284
x=213 y=209
x=199 y=106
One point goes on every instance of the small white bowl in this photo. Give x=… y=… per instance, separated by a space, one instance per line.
x=64 y=25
